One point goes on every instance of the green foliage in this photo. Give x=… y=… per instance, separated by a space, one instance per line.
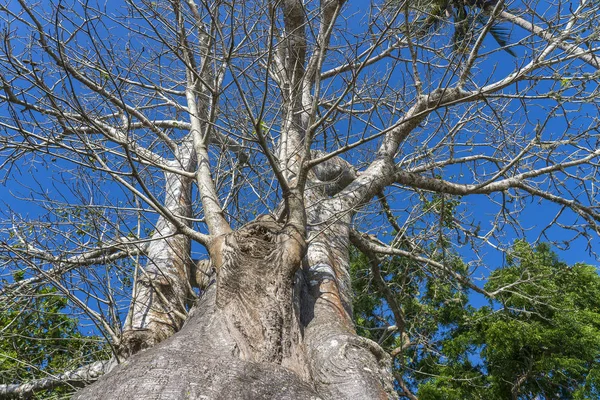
x=263 y=129
x=546 y=337
x=538 y=339
x=38 y=339
x=442 y=207
x=467 y=18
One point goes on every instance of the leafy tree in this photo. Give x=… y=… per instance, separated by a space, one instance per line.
x=39 y=338
x=538 y=339
x=466 y=17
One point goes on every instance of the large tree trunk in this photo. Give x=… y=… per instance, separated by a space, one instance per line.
x=277 y=320
x=162 y=289
x=262 y=329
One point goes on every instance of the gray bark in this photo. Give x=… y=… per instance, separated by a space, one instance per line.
x=162 y=289
x=199 y=362
x=265 y=328
x=343 y=365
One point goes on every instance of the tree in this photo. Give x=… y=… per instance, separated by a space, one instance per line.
x=466 y=15
x=40 y=340
x=195 y=172
x=538 y=339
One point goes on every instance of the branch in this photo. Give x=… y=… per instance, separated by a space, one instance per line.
x=580 y=209
x=414 y=180
x=198 y=95
x=112 y=252
x=518 y=182
x=586 y=56
x=294 y=17
x=381 y=248
x=76 y=378
x=362 y=244
x=311 y=87
x=145 y=195
x=62 y=62
x=116 y=134
x=334 y=72
x=380 y=172
x=405 y=389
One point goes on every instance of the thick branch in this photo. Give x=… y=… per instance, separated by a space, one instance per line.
x=197 y=94
x=75 y=378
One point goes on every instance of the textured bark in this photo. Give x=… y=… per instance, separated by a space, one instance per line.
x=162 y=289
x=242 y=340
x=255 y=268
x=199 y=362
x=343 y=365
x=264 y=328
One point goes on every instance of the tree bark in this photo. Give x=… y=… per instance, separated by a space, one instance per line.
x=202 y=361
x=262 y=329
x=162 y=289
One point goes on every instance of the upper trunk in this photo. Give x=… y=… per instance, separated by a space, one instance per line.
x=162 y=289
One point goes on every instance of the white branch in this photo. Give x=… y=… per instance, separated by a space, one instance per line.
x=77 y=378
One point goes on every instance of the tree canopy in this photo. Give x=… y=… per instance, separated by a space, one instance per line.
x=538 y=338
x=326 y=199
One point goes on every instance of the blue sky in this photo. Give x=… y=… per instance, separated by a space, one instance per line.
x=30 y=172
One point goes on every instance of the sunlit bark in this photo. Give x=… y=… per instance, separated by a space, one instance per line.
x=277 y=109
x=162 y=291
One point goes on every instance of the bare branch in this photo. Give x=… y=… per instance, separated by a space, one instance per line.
x=76 y=378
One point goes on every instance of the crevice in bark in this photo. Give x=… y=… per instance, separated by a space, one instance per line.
x=255 y=268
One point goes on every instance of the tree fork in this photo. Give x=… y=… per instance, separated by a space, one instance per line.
x=255 y=269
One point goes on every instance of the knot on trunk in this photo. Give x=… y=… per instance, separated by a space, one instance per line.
x=135 y=340
x=201 y=274
x=356 y=368
x=255 y=273
x=335 y=173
